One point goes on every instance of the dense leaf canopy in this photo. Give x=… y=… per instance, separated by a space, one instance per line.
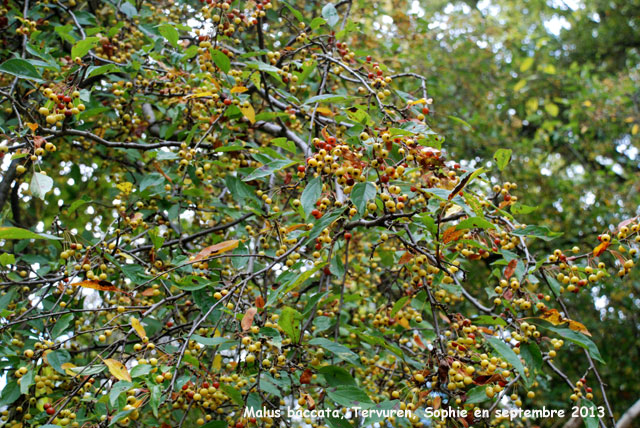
x=215 y=211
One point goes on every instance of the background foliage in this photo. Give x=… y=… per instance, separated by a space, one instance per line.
x=211 y=206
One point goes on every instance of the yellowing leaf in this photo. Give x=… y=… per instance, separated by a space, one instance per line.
x=532 y=105
x=403 y=322
x=67 y=368
x=519 y=85
x=32 y=126
x=600 y=249
x=247 y=319
x=217 y=362
x=249 y=112
x=526 y=64
x=587 y=103
x=238 y=89
x=549 y=69
x=579 y=327
x=98 y=285
x=554 y=317
x=200 y=95
x=138 y=327
x=420 y=101
x=219 y=248
x=552 y=109
x=117 y=369
x=325 y=111
x=635 y=129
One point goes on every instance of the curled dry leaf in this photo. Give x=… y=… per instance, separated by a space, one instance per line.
x=406 y=258
x=451 y=234
x=600 y=249
x=418 y=341
x=510 y=269
x=219 y=248
x=437 y=401
x=98 y=285
x=305 y=377
x=247 y=319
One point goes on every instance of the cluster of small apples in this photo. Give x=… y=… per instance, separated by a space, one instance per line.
x=228 y=21
x=61 y=107
x=28 y=26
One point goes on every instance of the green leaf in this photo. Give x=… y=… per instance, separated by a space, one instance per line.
x=123 y=414
x=335 y=375
x=541 y=232
x=151 y=180
x=507 y=353
x=141 y=370
x=285 y=143
x=26 y=381
x=532 y=355
x=591 y=418
x=348 y=396
x=475 y=222
x=10 y=393
x=77 y=204
x=40 y=185
x=88 y=370
x=330 y=14
x=461 y=121
x=290 y=285
x=117 y=389
x=18 y=233
x=81 y=48
x=234 y=394
x=61 y=325
x=489 y=320
x=210 y=341
x=221 y=60
x=57 y=358
x=155 y=397
x=128 y=9
x=399 y=305
x=580 y=340
x=7 y=259
x=502 y=157
x=361 y=194
x=519 y=208
x=310 y=195
x=268 y=169
x=171 y=34
x=327 y=98
x=21 y=68
x=295 y=12
x=317 y=23
x=476 y=395
x=290 y=321
x=336 y=349
x=259 y=65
